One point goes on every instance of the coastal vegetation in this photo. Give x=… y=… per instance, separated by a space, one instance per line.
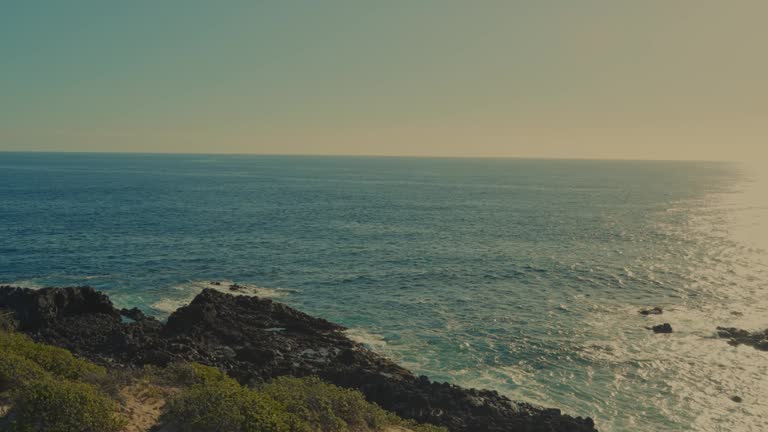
x=46 y=388
x=224 y=363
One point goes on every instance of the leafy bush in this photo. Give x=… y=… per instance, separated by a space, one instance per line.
x=214 y=402
x=57 y=361
x=40 y=383
x=329 y=408
x=113 y=382
x=182 y=374
x=16 y=370
x=62 y=406
x=326 y=407
x=218 y=403
x=422 y=427
x=202 y=374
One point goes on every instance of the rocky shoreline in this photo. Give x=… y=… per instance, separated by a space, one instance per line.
x=254 y=339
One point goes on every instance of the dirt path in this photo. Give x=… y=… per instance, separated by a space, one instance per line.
x=142 y=404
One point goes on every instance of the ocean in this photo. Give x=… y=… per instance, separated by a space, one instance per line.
x=522 y=276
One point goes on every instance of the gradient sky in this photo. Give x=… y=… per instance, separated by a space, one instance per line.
x=651 y=79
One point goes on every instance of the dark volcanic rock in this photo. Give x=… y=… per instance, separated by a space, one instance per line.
x=652 y=311
x=255 y=339
x=758 y=339
x=236 y=287
x=48 y=305
x=662 y=328
x=135 y=314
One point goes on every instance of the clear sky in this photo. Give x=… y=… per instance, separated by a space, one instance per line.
x=652 y=79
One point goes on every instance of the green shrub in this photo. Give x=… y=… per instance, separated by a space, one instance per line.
x=206 y=374
x=329 y=408
x=40 y=383
x=212 y=401
x=16 y=370
x=60 y=405
x=219 y=403
x=326 y=407
x=422 y=427
x=182 y=374
x=57 y=361
x=113 y=382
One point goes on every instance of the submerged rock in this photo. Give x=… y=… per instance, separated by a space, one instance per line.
x=736 y=399
x=237 y=334
x=758 y=339
x=236 y=287
x=662 y=328
x=652 y=311
x=135 y=314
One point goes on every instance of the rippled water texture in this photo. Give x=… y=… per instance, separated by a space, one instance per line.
x=524 y=276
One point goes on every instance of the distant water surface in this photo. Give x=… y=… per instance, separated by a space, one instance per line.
x=523 y=276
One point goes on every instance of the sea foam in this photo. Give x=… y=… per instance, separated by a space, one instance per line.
x=186 y=292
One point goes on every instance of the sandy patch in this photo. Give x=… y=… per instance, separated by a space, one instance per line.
x=142 y=404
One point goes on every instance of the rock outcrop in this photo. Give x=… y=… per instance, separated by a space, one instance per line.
x=662 y=328
x=758 y=339
x=652 y=311
x=255 y=339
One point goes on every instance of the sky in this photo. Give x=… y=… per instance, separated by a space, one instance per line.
x=651 y=79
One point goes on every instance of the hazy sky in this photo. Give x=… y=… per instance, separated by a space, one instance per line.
x=658 y=79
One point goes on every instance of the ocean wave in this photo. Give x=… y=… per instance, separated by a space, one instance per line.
x=26 y=283
x=187 y=291
x=55 y=279
x=397 y=351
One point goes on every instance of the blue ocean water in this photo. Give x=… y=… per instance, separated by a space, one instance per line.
x=523 y=276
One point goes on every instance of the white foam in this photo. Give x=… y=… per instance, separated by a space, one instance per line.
x=26 y=283
x=189 y=290
x=372 y=341
x=168 y=306
x=245 y=289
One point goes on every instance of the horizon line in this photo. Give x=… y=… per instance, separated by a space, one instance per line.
x=393 y=156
